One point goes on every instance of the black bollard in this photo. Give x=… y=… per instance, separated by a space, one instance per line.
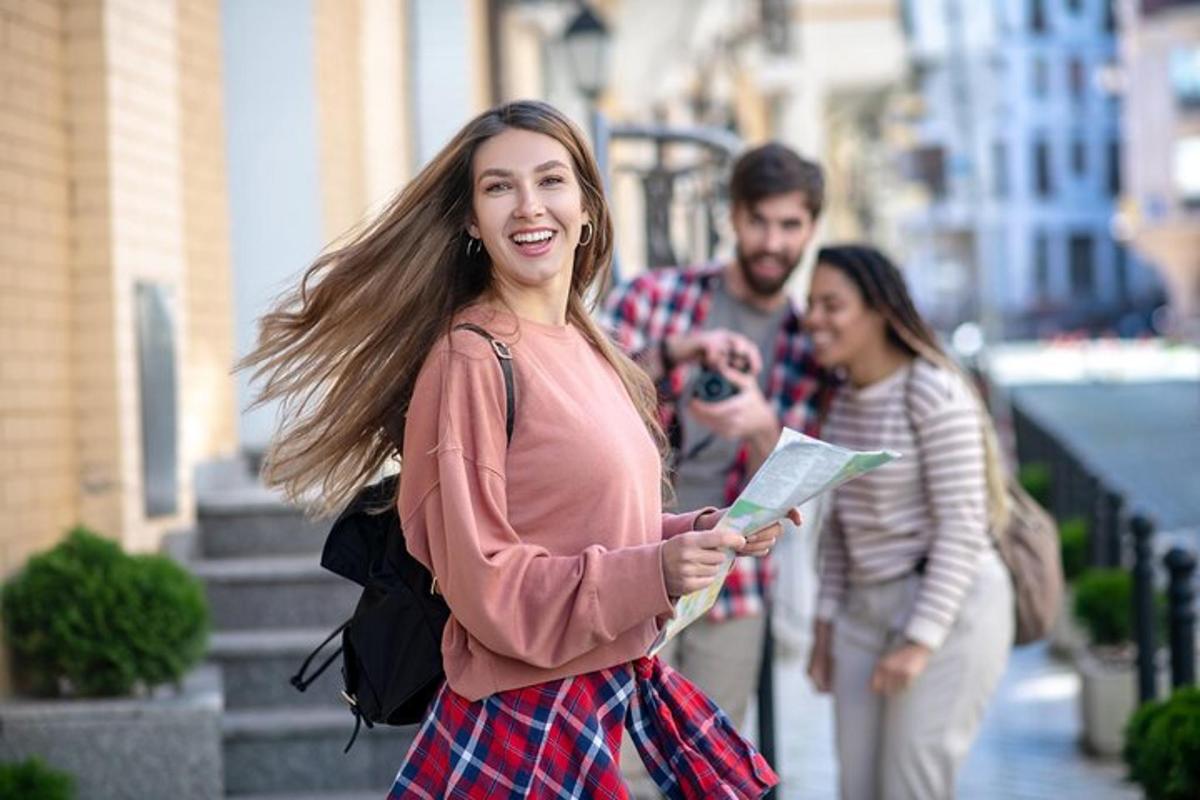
x=1181 y=616
x=1091 y=500
x=1059 y=480
x=1114 y=520
x=766 y=699
x=1143 y=606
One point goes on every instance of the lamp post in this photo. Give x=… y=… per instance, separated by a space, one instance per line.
x=587 y=43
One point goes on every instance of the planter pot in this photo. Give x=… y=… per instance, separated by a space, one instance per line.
x=1067 y=636
x=1107 y=696
x=165 y=745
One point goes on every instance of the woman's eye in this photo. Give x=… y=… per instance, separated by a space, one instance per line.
x=552 y=180
x=494 y=188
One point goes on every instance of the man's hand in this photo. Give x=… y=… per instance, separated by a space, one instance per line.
x=746 y=415
x=898 y=669
x=714 y=348
x=690 y=560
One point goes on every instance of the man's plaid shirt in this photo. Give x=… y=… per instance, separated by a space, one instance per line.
x=664 y=302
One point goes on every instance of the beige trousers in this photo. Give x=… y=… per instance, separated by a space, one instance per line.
x=723 y=659
x=909 y=747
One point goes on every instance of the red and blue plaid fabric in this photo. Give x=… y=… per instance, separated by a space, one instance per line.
x=562 y=739
x=663 y=302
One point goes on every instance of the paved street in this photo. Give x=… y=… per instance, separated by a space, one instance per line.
x=1026 y=751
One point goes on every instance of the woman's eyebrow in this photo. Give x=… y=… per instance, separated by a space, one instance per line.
x=496 y=172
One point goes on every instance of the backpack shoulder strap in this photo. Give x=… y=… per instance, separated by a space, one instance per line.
x=504 y=356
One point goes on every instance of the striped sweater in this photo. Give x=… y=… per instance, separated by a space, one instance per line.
x=931 y=504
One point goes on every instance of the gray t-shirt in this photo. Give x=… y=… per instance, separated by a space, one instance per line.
x=704 y=459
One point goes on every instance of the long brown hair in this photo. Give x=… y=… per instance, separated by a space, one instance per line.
x=343 y=350
x=884 y=290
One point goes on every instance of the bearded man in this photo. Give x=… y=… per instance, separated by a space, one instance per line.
x=689 y=328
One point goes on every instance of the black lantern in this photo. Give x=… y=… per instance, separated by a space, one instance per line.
x=587 y=41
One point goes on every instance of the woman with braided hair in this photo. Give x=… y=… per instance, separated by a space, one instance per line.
x=915 y=609
x=550 y=547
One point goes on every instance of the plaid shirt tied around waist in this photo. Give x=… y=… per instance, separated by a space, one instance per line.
x=664 y=302
x=562 y=738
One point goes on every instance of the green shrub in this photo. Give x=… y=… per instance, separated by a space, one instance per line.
x=1034 y=478
x=1073 y=539
x=1162 y=746
x=1103 y=605
x=31 y=779
x=88 y=617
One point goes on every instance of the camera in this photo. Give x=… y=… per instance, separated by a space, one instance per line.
x=710 y=386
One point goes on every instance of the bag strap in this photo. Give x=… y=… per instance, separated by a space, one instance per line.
x=302 y=683
x=504 y=356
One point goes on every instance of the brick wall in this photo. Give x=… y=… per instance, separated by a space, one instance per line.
x=108 y=110
x=37 y=458
x=143 y=138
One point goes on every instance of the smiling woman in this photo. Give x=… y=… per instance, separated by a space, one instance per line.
x=548 y=542
x=528 y=211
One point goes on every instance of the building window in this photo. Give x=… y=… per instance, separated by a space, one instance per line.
x=1110 y=16
x=1114 y=167
x=1079 y=157
x=1041 y=78
x=1077 y=78
x=1075 y=6
x=999 y=170
x=1037 y=16
x=907 y=22
x=1082 y=264
x=1121 y=273
x=1041 y=264
x=1185 y=76
x=1043 y=181
x=930 y=166
x=1186 y=169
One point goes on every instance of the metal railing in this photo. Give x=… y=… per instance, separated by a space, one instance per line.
x=1118 y=539
x=683 y=183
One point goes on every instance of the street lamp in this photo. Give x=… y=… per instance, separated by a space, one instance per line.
x=587 y=43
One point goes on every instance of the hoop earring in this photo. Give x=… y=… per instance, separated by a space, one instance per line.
x=473 y=246
x=588 y=240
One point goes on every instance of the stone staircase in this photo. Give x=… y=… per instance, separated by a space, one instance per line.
x=271 y=604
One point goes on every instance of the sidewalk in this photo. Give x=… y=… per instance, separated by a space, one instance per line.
x=1027 y=749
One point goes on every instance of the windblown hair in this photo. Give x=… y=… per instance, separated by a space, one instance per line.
x=883 y=289
x=342 y=351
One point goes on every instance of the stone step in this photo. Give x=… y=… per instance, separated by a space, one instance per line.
x=253 y=522
x=301 y=751
x=258 y=664
x=281 y=592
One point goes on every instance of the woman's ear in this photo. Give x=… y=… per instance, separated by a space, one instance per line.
x=472 y=229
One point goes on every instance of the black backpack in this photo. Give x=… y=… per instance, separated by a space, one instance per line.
x=392 y=645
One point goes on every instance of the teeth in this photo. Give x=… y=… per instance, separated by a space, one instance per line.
x=536 y=236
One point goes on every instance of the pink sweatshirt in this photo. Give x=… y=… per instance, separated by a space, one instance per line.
x=548 y=549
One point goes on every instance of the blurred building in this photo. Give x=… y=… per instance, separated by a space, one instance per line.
x=1018 y=148
x=817 y=75
x=1160 y=80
